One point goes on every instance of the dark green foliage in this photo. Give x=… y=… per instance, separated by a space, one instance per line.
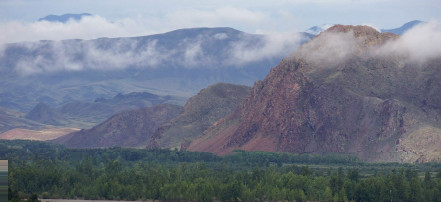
x=33 y=198
x=49 y=171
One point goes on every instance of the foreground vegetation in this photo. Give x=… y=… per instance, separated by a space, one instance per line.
x=51 y=171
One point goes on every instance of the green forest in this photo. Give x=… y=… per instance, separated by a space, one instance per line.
x=43 y=170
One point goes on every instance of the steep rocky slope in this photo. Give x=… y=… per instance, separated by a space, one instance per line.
x=200 y=112
x=340 y=92
x=126 y=129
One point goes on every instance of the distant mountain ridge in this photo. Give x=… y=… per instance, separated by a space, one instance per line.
x=87 y=114
x=318 y=29
x=42 y=113
x=179 y=62
x=10 y=120
x=403 y=28
x=64 y=18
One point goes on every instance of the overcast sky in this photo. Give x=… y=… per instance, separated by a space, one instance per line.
x=141 y=17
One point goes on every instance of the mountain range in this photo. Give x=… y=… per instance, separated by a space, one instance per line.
x=346 y=90
x=180 y=124
x=180 y=63
x=44 y=122
x=87 y=114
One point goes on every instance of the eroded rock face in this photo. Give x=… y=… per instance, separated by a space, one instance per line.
x=338 y=96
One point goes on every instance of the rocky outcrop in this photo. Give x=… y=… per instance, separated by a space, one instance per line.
x=337 y=94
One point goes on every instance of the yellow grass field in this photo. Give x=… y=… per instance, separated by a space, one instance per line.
x=42 y=135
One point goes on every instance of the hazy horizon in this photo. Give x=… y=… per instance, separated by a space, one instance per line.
x=19 y=18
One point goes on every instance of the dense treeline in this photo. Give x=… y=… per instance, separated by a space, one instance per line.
x=34 y=150
x=129 y=174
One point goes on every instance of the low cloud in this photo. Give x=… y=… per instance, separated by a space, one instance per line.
x=329 y=48
x=83 y=55
x=219 y=49
x=208 y=51
x=273 y=45
x=95 y=26
x=420 y=44
x=63 y=54
x=89 y=27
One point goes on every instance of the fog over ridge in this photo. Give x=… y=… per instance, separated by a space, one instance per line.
x=418 y=45
x=209 y=51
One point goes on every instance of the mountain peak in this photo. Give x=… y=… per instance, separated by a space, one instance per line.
x=318 y=29
x=339 y=42
x=64 y=18
x=358 y=30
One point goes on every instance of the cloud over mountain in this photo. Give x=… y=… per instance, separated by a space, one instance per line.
x=334 y=46
x=187 y=48
x=419 y=44
x=89 y=27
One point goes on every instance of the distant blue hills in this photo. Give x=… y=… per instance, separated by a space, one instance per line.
x=404 y=28
x=64 y=18
x=312 y=31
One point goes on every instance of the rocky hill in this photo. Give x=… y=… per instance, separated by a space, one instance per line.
x=344 y=91
x=200 y=112
x=126 y=129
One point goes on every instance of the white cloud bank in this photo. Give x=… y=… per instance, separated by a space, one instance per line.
x=421 y=43
x=186 y=54
x=89 y=27
x=417 y=45
x=210 y=50
x=95 y=26
x=274 y=45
